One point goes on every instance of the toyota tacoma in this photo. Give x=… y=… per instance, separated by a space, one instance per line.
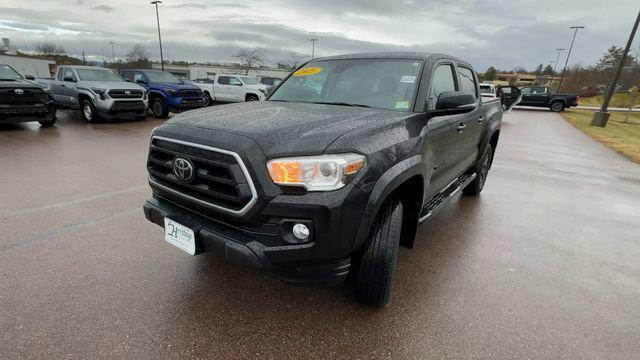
x=329 y=176
x=23 y=100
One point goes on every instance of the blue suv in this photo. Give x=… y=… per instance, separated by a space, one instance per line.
x=166 y=92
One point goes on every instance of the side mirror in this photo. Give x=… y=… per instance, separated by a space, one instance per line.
x=141 y=82
x=69 y=79
x=29 y=77
x=454 y=102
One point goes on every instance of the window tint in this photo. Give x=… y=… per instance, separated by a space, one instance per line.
x=526 y=91
x=538 y=90
x=223 y=80
x=467 y=81
x=234 y=81
x=138 y=77
x=442 y=81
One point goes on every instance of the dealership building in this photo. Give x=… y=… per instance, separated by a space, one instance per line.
x=193 y=72
x=38 y=68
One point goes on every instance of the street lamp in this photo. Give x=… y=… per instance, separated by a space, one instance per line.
x=156 y=2
x=113 y=54
x=575 y=32
x=601 y=117
x=559 y=50
x=313 y=47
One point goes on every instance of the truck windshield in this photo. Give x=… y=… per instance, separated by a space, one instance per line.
x=378 y=83
x=248 y=80
x=162 y=77
x=7 y=73
x=98 y=75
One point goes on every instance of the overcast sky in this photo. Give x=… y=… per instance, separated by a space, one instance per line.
x=505 y=34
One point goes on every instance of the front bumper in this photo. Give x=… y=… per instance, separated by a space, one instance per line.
x=293 y=263
x=114 y=108
x=10 y=114
x=184 y=104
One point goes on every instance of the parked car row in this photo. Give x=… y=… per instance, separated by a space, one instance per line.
x=100 y=93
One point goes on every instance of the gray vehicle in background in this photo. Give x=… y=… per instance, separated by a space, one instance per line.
x=98 y=93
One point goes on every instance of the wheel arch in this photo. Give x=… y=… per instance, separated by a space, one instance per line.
x=406 y=181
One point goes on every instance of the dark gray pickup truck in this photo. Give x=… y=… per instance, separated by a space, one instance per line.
x=541 y=96
x=23 y=100
x=330 y=175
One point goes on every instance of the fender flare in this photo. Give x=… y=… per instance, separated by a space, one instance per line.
x=156 y=92
x=558 y=99
x=386 y=184
x=87 y=93
x=483 y=145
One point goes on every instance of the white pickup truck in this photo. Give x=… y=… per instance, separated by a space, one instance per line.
x=231 y=88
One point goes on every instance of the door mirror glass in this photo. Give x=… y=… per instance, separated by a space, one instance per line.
x=69 y=79
x=29 y=77
x=454 y=102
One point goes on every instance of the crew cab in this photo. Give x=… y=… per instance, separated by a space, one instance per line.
x=541 y=96
x=98 y=93
x=23 y=100
x=167 y=93
x=231 y=88
x=330 y=175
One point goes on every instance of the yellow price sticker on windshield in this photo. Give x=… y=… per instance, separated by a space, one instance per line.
x=402 y=104
x=308 y=71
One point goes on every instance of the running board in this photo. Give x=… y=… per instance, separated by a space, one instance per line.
x=436 y=202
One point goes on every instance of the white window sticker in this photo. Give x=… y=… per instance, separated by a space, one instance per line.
x=408 y=79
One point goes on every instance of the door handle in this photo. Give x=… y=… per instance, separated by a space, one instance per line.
x=480 y=119
x=461 y=127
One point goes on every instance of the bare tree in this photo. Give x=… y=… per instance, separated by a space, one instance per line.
x=250 y=58
x=50 y=49
x=138 y=57
x=296 y=59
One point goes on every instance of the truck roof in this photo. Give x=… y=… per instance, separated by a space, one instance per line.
x=427 y=57
x=84 y=67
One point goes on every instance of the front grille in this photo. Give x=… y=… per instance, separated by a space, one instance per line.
x=125 y=94
x=25 y=97
x=128 y=106
x=190 y=93
x=221 y=180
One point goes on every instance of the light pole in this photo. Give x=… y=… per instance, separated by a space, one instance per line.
x=575 y=32
x=113 y=54
x=156 y=2
x=559 y=50
x=601 y=117
x=313 y=47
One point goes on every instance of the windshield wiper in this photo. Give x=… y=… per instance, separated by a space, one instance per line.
x=339 y=103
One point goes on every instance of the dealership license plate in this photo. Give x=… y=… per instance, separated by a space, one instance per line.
x=180 y=236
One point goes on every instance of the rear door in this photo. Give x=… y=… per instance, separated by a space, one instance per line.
x=470 y=125
x=510 y=96
x=534 y=96
x=222 y=88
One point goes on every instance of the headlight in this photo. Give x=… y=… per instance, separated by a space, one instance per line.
x=101 y=92
x=169 y=91
x=316 y=173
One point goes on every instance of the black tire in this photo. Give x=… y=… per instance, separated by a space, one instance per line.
x=208 y=101
x=51 y=120
x=158 y=108
x=88 y=111
x=482 y=170
x=374 y=277
x=557 y=106
x=252 y=97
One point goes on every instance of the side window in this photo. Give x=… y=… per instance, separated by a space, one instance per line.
x=525 y=91
x=68 y=73
x=60 y=72
x=235 y=81
x=223 y=80
x=539 y=90
x=442 y=81
x=467 y=81
x=127 y=76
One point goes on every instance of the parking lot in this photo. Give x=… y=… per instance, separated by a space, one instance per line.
x=544 y=264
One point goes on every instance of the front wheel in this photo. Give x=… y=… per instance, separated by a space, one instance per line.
x=159 y=109
x=375 y=275
x=482 y=171
x=557 y=106
x=207 y=100
x=252 y=98
x=51 y=120
x=88 y=111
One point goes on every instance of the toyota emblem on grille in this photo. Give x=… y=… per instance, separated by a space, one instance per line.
x=18 y=91
x=127 y=93
x=183 y=169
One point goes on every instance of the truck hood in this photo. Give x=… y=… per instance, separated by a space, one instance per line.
x=110 y=85
x=286 y=129
x=174 y=86
x=23 y=84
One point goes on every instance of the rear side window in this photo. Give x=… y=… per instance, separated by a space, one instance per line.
x=467 y=81
x=442 y=81
x=223 y=80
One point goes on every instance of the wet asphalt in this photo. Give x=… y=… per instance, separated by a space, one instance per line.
x=545 y=264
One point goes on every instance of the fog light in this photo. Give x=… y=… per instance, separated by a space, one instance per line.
x=301 y=231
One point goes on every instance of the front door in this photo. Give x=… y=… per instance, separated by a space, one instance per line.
x=236 y=89
x=66 y=91
x=510 y=96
